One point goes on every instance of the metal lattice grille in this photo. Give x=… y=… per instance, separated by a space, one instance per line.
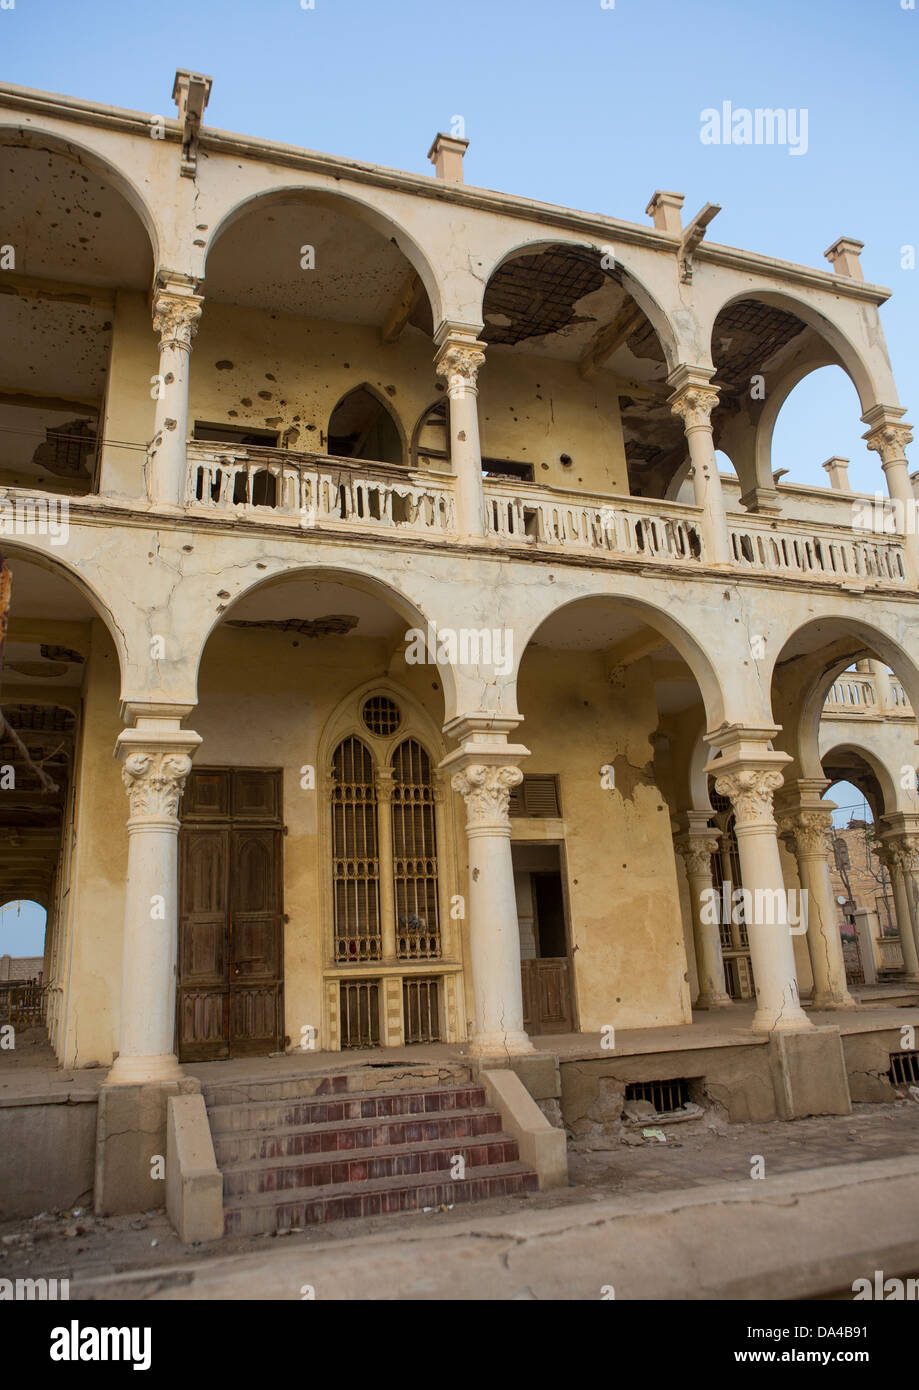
x=414 y=850
x=381 y=715
x=421 y=1009
x=355 y=854
x=904 y=1068
x=359 y=1012
x=667 y=1097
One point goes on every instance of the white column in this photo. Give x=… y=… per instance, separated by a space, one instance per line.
x=900 y=855
x=806 y=830
x=458 y=362
x=483 y=772
x=155 y=764
x=747 y=771
x=696 y=847
x=693 y=400
x=888 y=435
x=176 y=311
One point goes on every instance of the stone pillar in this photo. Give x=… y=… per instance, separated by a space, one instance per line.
x=898 y=850
x=693 y=400
x=384 y=790
x=697 y=843
x=888 y=435
x=483 y=770
x=156 y=759
x=176 y=311
x=748 y=771
x=458 y=361
x=805 y=825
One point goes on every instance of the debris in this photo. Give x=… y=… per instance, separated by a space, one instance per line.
x=657 y=1134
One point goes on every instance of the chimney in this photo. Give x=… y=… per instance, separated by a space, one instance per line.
x=665 y=209
x=838 y=470
x=843 y=256
x=446 y=154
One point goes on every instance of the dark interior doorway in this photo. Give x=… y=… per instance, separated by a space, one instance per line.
x=545 y=956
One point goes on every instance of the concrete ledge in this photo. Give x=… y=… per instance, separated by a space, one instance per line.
x=194 y=1184
x=542 y=1146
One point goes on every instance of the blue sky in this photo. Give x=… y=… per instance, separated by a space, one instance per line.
x=568 y=102
x=22 y=929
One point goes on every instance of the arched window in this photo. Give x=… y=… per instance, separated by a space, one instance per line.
x=355 y=854
x=361 y=427
x=431 y=444
x=414 y=849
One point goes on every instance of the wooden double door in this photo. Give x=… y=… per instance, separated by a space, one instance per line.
x=230 y=949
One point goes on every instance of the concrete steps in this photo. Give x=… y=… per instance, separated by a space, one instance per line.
x=290 y=1160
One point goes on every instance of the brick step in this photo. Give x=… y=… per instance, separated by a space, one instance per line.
x=368 y=1080
x=277 y=1211
x=346 y=1136
x=284 y=1175
x=355 y=1105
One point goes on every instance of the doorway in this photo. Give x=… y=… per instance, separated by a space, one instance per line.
x=545 y=956
x=230 y=952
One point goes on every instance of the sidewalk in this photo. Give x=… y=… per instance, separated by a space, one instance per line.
x=801 y=1235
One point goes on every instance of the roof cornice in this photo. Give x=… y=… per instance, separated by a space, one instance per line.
x=592 y=225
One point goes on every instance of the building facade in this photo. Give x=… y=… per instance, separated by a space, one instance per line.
x=373 y=522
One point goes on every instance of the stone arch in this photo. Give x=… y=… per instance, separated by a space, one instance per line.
x=846 y=354
x=37 y=137
x=350 y=204
x=369 y=584
x=885 y=778
x=99 y=604
x=655 y=313
x=819 y=674
x=689 y=647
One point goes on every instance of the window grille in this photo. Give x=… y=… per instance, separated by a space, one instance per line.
x=359 y=1013
x=904 y=1068
x=667 y=1097
x=381 y=715
x=536 y=795
x=355 y=854
x=414 y=849
x=421 y=1010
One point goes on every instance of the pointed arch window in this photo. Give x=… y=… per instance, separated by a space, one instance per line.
x=361 y=427
x=414 y=853
x=355 y=854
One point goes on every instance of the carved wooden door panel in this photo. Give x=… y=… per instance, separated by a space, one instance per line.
x=230 y=957
x=255 y=941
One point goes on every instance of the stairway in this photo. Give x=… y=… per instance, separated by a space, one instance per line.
x=300 y=1153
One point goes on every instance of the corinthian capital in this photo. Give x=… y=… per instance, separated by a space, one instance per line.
x=808 y=831
x=458 y=364
x=750 y=791
x=697 y=851
x=154 y=782
x=889 y=440
x=487 y=791
x=175 y=318
x=695 y=405
x=905 y=850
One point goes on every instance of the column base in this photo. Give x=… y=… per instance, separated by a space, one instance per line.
x=138 y=1071
x=833 y=1001
x=791 y=1019
x=713 y=1001
x=499 y=1044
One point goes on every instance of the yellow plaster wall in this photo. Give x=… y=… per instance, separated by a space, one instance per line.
x=92 y=974
x=630 y=962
